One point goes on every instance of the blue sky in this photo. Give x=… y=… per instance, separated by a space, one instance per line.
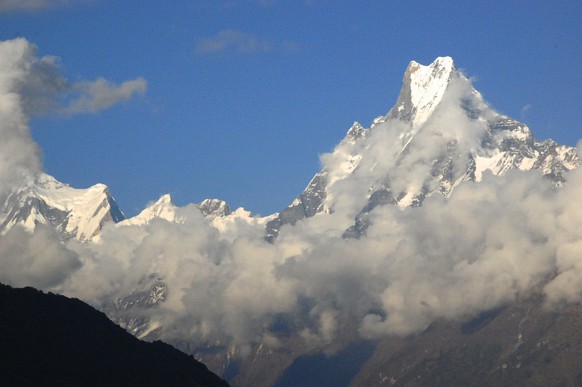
x=242 y=96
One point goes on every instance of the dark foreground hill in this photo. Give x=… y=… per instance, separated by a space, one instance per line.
x=48 y=339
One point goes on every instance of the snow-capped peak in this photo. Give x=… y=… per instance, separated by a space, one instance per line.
x=75 y=213
x=163 y=208
x=439 y=134
x=422 y=90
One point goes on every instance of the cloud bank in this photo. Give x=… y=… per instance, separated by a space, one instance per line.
x=490 y=243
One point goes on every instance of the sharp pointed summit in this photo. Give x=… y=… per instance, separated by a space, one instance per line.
x=423 y=87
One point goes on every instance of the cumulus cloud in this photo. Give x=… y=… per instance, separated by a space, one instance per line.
x=19 y=155
x=36 y=259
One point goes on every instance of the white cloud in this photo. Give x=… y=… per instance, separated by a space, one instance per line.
x=101 y=94
x=19 y=155
x=37 y=259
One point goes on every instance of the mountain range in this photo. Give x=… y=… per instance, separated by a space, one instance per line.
x=493 y=143
x=440 y=135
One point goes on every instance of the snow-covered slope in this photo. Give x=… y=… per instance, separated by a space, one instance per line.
x=163 y=208
x=439 y=133
x=74 y=213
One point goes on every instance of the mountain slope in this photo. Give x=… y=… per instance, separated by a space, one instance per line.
x=522 y=344
x=49 y=339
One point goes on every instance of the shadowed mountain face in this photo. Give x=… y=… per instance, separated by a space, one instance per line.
x=522 y=344
x=48 y=339
x=519 y=344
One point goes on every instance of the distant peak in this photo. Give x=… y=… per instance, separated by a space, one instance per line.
x=213 y=208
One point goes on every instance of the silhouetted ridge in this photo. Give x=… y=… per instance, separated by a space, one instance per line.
x=48 y=339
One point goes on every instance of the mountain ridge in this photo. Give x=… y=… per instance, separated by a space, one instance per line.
x=49 y=339
x=484 y=141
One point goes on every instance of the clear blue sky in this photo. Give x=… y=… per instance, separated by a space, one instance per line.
x=243 y=95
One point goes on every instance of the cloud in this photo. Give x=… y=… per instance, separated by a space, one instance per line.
x=42 y=87
x=242 y=43
x=232 y=40
x=290 y=46
x=30 y=5
x=525 y=110
x=29 y=86
x=36 y=259
x=92 y=97
x=19 y=154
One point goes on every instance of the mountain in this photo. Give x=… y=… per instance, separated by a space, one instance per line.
x=439 y=133
x=163 y=208
x=81 y=213
x=49 y=339
x=74 y=213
